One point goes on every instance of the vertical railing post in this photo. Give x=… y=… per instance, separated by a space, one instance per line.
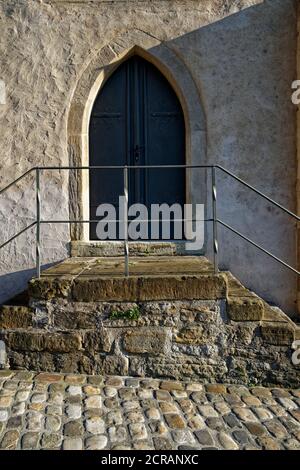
x=215 y=219
x=38 y=225
x=126 y=246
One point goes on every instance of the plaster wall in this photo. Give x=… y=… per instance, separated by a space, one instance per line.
x=240 y=57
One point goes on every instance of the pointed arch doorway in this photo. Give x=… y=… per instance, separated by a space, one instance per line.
x=136 y=120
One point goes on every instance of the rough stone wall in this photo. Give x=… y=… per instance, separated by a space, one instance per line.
x=242 y=57
x=181 y=339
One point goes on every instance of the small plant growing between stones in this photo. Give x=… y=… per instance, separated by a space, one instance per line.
x=130 y=314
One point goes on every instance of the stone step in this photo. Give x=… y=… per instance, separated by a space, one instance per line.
x=18 y=316
x=151 y=278
x=101 y=279
x=116 y=248
x=172 y=318
x=277 y=328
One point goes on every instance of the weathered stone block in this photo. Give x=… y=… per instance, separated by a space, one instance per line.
x=62 y=342
x=100 y=248
x=116 y=365
x=36 y=340
x=37 y=361
x=146 y=340
x=100 y=340
x=278 y=334
x=71 y=362
x=78 y=362
x=138 y=289
x=15 y=317
x=245 y=309
x=24 y=341
x=191 y=335
x=47 y=288
x=137 y=366
x=74 y=320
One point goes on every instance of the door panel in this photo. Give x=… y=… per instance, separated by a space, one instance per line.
x=108 y=141
x=137 y=120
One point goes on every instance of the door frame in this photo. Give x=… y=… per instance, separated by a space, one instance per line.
x=130 y=107
x=95 y=75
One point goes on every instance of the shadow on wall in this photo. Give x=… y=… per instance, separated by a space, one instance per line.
x=243 y=67
x=13 y=286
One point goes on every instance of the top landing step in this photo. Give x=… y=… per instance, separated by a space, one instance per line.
x=116 y=248
x=95 y=279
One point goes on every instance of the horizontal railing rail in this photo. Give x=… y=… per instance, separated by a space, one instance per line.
x=125 y=168
x=18 y=234
x=120 y=167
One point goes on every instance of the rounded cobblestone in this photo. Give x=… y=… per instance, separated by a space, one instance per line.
x=95 y=425
x=96 y=443
x=74 y=390
x=153 y=413
x=51 y=441
x=93 y=402
x=74 y=412
x=10 y=440
x=117 y=434
x=53 y=423
x=30 y=441
x=73 y=443
x=227 y=442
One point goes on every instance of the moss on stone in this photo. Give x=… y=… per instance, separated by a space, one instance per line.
x=130 y=314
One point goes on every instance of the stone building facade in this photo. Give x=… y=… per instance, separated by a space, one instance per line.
x=231 y=64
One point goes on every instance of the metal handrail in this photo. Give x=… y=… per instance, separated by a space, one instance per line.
x=125 y=169
x=258 y=246
x=119 y=167
x=267 y=198
x=17 y=180
x=18 y=234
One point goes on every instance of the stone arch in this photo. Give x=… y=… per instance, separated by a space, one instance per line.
x=100 y=67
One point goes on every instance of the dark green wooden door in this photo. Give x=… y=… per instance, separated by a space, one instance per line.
x=136 y=120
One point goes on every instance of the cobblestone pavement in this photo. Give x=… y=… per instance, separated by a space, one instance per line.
x=53 y=411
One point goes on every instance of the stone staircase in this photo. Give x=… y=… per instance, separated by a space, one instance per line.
x=172 y=318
